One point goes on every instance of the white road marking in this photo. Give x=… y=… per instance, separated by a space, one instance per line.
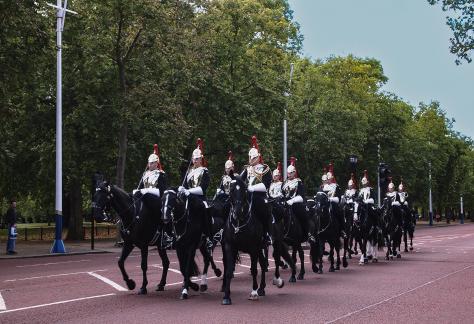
x=399 y=295
x=51 y=263
x=198 y=279
x=55 y=303
x=52 y=276
x=108 y=281
x=169 y=269
x=2 y=303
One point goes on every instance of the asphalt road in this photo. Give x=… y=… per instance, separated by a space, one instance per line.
x=433 y=283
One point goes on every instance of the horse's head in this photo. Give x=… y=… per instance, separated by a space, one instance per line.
x=169 y=201
x=101 y=201
x=237 y=196
x=321 y=201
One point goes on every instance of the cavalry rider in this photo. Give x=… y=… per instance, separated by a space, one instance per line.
x=324 y=179
x=258 y=177
x=332 y=189
x=392 y=195
x=195 y=185
x=275 y=186
x=351 y=192
x=403 y=195
x=154 y=178
x=366 y=194
x=229 y=175
x=293 y=191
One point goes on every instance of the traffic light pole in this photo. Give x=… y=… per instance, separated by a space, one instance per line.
x=378 y=176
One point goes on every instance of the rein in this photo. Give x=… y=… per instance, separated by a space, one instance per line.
x=232 y=213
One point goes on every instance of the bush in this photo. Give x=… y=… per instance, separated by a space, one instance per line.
x=29 y=219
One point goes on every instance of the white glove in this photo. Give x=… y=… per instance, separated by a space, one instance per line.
x=134 y=191
x=369 y=201
x=334 y=199
x=219 y=191
x=181 y=189
x=186 y=192
x=289 y=202
x=395 y=203
x=250 y=189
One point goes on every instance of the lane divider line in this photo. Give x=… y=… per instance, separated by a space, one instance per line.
x=108 y=281
x=399 y=295
x=52 y=276
x=2 y=303
x=55 y=303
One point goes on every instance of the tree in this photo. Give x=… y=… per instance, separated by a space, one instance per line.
x=462 y=25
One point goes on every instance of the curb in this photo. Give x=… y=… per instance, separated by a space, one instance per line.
x=9 y=257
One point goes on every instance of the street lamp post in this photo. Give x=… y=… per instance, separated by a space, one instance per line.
x=430 y=197
x=378 y=176
x=285 y=137
x=461 y=216
x=58 y=245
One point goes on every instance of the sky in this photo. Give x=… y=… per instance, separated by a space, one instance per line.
x=409 y=37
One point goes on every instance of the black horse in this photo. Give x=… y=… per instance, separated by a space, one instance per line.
x=391 y=219
x=243 y=232
x=409 y=221
x=288 y=231
x=327 y=229
x=187 y=215
x=368 y=233
x=140 y=225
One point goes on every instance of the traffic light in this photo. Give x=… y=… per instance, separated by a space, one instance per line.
x=384 y=173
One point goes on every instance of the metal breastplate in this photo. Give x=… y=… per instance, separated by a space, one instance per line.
x=290 y=188
x=349 y=194
x=330 y=189
x=194 y=177
x=392 y=196
x=365 y=193
x=255 y=173
x=403 y=196
x=150 y=179
x=275 y=189
x=226 y=180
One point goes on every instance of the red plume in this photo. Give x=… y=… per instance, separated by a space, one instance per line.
x=230 y=156
x=200 y=145
x=325 y=170
x=157 y=152
x=331 y=169
x=293 y=163
x=279 y=170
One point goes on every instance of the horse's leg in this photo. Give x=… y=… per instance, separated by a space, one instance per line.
x=331 y=257
x=206 y=257
x=229 y=259
x=126 y=249
x=262 y=259
x=337 y=247
x=405 y=234
x=301 y=256
x=277 y=281
x=321 y=249
x=253 y=269
x=345 y=253
x=293 y=254
x=216 y=270
x=411 y=239
x=285 y=254
x=375 y=251
x=165 y=264
x=144 y=266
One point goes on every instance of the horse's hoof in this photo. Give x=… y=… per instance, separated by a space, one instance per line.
x=406 y=250
x=399 y=256
x=315 y=268
x=350 y=256
x=194 y=286
x=356 y=252
x=366 y=260
x=361 y=263
x=160 y=288
x=375 y=260
x=338 y=267
x=320 y=271
x=253 y=295
x=391 y=257
x=411 y=248
x=331 y=269
x=226 y=301
x=203 y=288
x=142 y=291
x=261 y=291
x=218 y=272
x=184 y=294
x=300 y=276
x=130 y=284
x=387 y=258
x=285 y=266
x=344 y=263
x=292 y=279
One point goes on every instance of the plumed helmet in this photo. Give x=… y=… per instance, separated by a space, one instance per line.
x=292 y=167
x=391 y=185
x=401 y=187
x=154 y=157
x=352 y=181
x=277 y=172
x=254 y=151
x=330 y=173
x=365 y=178
x=325 y=176
x=229 y=164
x=199 y=151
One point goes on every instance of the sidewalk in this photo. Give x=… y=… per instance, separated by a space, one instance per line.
x=30 y=249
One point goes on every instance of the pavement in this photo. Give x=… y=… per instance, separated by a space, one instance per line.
x=432 y=283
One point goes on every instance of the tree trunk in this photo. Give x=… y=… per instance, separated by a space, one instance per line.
x=75 y=231
x=122 y=155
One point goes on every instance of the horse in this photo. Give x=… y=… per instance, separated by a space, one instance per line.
x=327 y=229
x=186 y=215
x=391 y=219
x=288 y=230
x=348 y=209
x=409 y=220
x=141 y=226
x=368 y=232
x=243 y=232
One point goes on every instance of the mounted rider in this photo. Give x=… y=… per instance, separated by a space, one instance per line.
x=293 y=192
x=222 y=192
x=195 y=185
x=367 y=194
x=351 y=192
x=392 y=196
x=403 y=195
x=332 y=189
x=275 y=186
x=324 y=179
x=258 y=178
